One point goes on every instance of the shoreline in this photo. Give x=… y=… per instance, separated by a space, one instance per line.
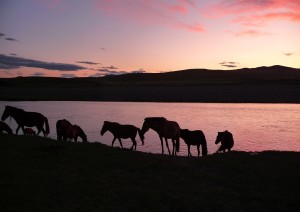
x=201 y=94
x=62 y=176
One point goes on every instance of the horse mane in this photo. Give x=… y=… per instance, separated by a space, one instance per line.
x=78 y=128
x=65 y=120
x=156 y=119
x=111 y=123
x=11 y=107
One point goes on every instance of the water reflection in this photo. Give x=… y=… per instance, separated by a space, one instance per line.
x=255 y=127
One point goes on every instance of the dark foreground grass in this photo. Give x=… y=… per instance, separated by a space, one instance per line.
x=40 y=174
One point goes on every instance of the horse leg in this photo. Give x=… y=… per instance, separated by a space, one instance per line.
x=220 y=149
x=44 y=132
x=17 y=130
x=133 y=144
x=167 y=146
x=75 y=139
x=173 y=151
x=189 y=150
x=162 y=145
x=22 y=127
x=113 y=141
x=198 y=150
x=120 y=142
x=39 y=130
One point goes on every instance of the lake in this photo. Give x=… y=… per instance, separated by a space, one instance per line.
x=255 y=127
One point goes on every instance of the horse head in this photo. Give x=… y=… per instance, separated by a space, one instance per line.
x=145 y=128
x=6 y=113
x=219 y=137
x=104 y=127
x=183 y=133
x=83 y=136
x=142 y=137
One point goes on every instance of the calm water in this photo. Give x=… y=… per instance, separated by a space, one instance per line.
x=255 y=127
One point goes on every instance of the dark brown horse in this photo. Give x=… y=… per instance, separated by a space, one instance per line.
x=195 y=138
x=29 y=119
x=29 y=131
x=62 y=129
x=5 y=128
x=65 y=130
x=74 y=131
x=226 y=140
x=165 y=129
x=122 y=131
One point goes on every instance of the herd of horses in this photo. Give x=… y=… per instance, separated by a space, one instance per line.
x=165 y=129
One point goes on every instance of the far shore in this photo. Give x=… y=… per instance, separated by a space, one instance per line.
x=251 y=93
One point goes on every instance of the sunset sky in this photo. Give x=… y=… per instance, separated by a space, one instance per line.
x=68 y=38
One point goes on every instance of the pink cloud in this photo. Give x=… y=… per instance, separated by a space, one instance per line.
x=252 y=33
x=260 y=20
x=173 y=14
x=179 y=9
x=257 y=12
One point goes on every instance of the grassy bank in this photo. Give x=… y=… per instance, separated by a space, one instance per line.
x=40 y=174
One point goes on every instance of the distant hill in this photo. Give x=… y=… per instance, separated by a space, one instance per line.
x=190 y=77
x=206 y=76
x=275 y=84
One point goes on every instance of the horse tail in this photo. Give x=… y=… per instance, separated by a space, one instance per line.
x=141 y=135
x=47 y=126
x=204 y=146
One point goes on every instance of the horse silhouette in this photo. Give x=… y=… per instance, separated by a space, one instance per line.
x=165 y=129
x=62 y=129
x=29 y=119
x=5 y=128
x=29 y=131
x=75 y=131
x=122 y=131
x=226 y=140
x=195 y=138
x=65 y=130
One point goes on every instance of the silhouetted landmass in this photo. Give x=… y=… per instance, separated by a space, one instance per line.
x=39 y=174
x=276 y=84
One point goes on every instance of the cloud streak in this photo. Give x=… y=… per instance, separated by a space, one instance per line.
x=288 y=53
x=258 y=12
x=172 y=14
x=229 y=64
x=88 y=62
x=11 y=39
x=12 y=62
x=251 y=32
x=109 y=67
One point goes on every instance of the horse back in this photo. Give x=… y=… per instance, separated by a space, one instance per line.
x=125 y=131
x=228 y=141
x=172 y=129
x=192 y=137
x=30 y=119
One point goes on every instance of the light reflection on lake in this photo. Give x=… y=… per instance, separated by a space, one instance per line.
x=255 y=127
